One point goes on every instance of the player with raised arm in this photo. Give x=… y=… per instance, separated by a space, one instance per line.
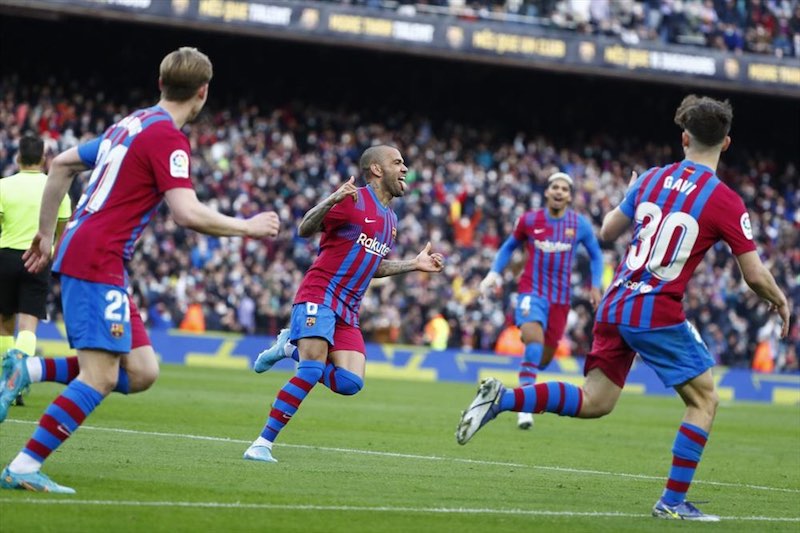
x=358 y=232
x=550 y=235
x=679 y=211
x=138 y=162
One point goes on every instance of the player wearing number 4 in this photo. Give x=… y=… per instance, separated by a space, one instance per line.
x=358 y=232
x=679 y=211
x=137 y=163
x=551 y=235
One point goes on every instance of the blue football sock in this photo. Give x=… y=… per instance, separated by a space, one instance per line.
x=291 y=396
x=341 y=381
x=686 y=452
x=529 y=367
x=61 y=419
x=557 y=397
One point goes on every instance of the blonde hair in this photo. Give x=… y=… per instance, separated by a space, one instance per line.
x=183 y=72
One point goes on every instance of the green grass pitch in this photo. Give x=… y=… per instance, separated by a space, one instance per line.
x=386 y=460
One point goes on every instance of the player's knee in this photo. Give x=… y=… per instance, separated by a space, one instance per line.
x=596 y=407
x=348 y=385
x=144 y=378
x=142 y=370
x=710 y=402
x=309 y=371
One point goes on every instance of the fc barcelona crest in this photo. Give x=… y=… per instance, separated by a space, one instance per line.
x=310 y=321
x=394 y=233
x=117 y=330
x=569 y=232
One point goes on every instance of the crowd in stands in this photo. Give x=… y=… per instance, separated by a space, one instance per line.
x=467 y=188
x=756 y=26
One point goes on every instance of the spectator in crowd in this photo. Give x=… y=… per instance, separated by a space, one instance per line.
x=757 y=26
x=437 y=330
x=292 y=156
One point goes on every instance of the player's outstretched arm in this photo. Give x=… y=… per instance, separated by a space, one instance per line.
x=493 y=279
x=587 y=238
x=616 y=221
x=312 y=220
x=62 y=171
x=424 y=262
x=759 y=278
x=190 y=213
x=614 y=224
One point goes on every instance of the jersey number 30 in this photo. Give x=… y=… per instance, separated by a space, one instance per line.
x=651 y=245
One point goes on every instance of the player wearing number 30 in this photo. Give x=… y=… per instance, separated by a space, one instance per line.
x=679 y=211
x=137 y=162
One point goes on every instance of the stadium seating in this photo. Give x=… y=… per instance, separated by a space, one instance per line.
x=466 y=194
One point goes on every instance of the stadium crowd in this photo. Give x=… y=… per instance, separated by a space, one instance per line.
x=467 y=188
x=756 y=26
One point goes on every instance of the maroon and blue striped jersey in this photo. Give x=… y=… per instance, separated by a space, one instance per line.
x=356 y=236
x=679 y=212
x=551 y=244
x=135 y=162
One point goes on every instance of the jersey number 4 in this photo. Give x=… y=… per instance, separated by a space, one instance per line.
x=650 y=247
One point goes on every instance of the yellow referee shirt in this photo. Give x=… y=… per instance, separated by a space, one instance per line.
x=20 y=199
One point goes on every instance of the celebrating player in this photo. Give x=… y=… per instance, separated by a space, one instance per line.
x=137 y=162
x=544 y=287
x=358 y=231
x=679 y=211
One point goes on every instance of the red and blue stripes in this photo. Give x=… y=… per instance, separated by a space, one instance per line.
x=632 y=298
x=59 y=369
x=291 y=396
x=347 y=286
x=547 y=272
x=686 y=453
x=563 y=399
x=61 y=419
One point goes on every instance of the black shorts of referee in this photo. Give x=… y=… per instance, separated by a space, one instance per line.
x=21 y=291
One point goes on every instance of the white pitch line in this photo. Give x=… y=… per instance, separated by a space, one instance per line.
x=429 y=458
x=365 y=509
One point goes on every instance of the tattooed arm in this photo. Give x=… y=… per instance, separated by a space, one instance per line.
x=312 y=220
x=392 y=268
x=424 y=262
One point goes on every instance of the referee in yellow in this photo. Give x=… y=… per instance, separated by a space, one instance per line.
x=23 y=296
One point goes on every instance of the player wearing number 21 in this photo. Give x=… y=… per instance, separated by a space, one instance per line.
x=678 y=212
x=137 y=162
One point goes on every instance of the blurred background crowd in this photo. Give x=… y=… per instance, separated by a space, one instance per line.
x=756 y=26
x=468 y=186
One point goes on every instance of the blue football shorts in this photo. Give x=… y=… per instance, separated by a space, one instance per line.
x=676 y=353
x=531 y=308
x=312 y=320
x=97 y=315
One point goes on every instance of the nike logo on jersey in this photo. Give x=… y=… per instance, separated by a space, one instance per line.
x=369 y=220
x=537 y=231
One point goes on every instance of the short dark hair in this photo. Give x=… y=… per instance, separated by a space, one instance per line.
x=373 y=154
x=706 y=119
x=31 y=149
